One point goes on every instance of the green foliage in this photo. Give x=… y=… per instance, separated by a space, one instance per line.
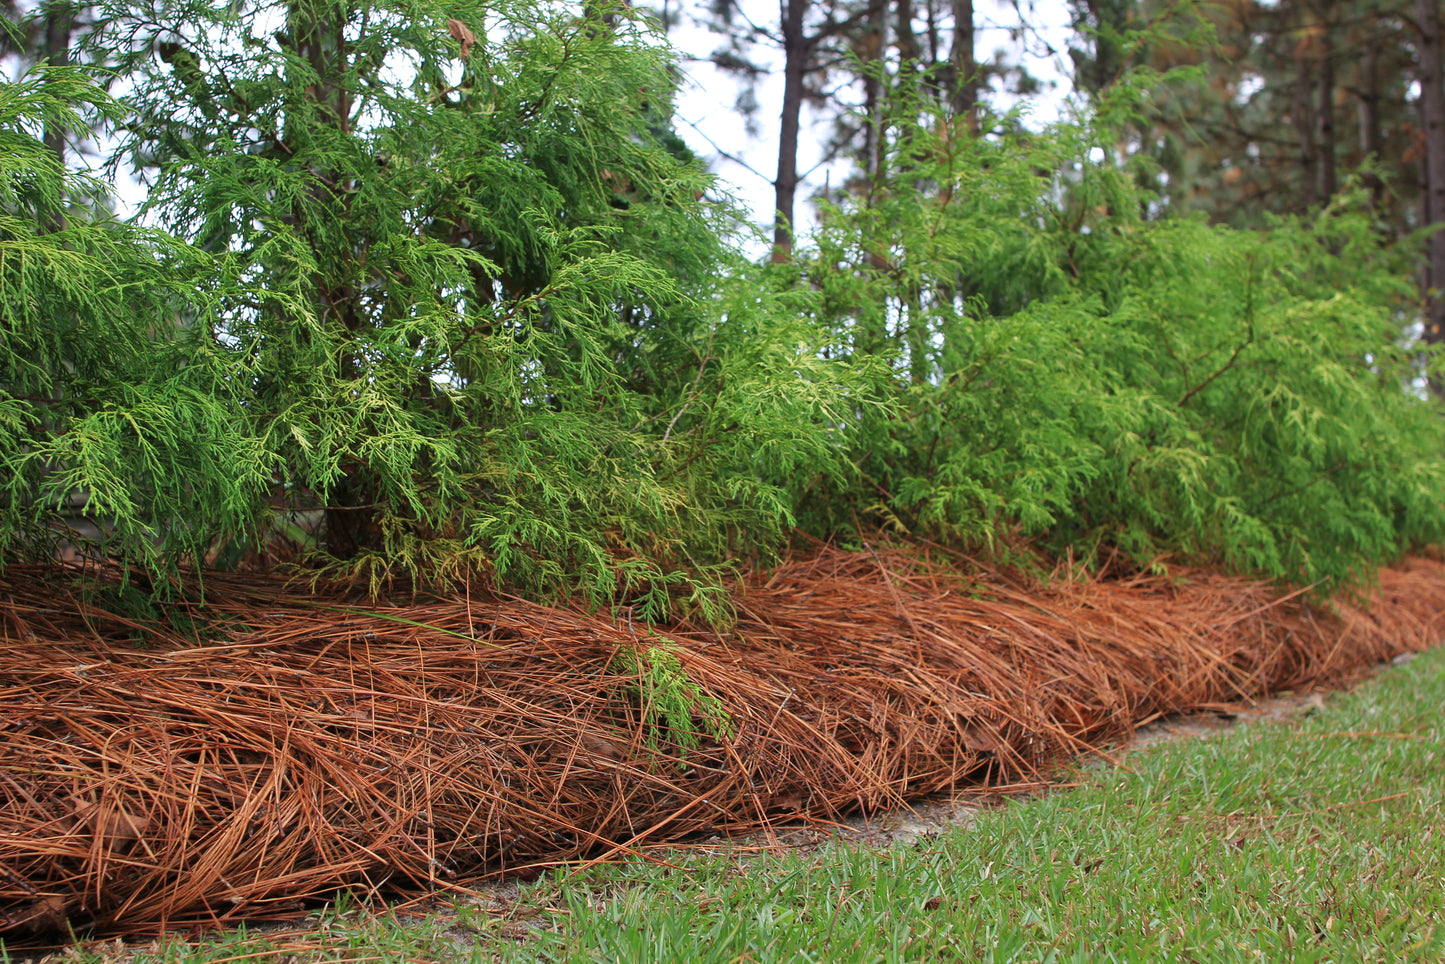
x=1065 y=365
x=443 y=278
x=674 y=707
x=1287 y=101
x=105 y=388
x=445 y=281
x=493 y=334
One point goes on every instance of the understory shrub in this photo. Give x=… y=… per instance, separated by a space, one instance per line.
x=1067 y=362
x=445 y=285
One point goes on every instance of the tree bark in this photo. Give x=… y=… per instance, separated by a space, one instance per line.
x=317 y=31
x=59 y=21
x=317 y=26
x=965 y=67
x=1432 y=114
x=872 y=315
x=909 y=52
x=875 y=41
x=796 y=51
x=1305 y=125
x=1368 y=113
x=1325 y=112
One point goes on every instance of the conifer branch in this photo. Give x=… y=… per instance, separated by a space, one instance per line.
x=1238 y=350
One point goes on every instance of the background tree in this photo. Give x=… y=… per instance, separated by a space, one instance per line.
x=1284 y=103
x=1431 y=77
x=811 y=39
x=837 y=57
x=1291 y=102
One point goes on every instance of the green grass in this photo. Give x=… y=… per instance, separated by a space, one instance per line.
x=1321 y=838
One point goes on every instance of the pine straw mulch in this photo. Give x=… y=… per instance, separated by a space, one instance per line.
x=311 y=743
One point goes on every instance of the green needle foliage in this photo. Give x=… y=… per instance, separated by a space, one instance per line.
x=490 y=298
x=1068 y=362
x=106 y=389
x=442 y=285
x=458 y=291
x=674 y=707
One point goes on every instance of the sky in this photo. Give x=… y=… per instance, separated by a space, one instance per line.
x=707 y=120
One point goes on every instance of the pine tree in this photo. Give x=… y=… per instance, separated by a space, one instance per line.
x=1431 y=75
x=813 y=40
x=1277 y=108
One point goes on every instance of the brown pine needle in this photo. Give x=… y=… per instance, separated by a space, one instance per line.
x=306 y=743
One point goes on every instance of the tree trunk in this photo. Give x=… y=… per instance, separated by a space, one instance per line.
x=317 y=30
x=930 y=14
x=1368 y=88
x=875 y=41
x=965 y=67
x=872 y=315
x=1305 y=125
x=796 y=51
x=1329 y=181
x=909 y=51
x=1432 y=114
x=59 y=20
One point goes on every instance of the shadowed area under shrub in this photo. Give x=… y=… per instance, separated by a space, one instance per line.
x=307 y=743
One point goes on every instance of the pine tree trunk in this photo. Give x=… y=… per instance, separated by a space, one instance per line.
x=1303 y=116
x=872 y=316
x=875 y=41
x=1432 y=111
x=965 y=67
x=1368 y=88
x=796 y=50
x=59 y=19
x=909 y=51
x=1329 y=180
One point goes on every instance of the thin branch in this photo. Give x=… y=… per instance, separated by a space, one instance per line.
x=695 y=394
x=1227 y=366
x=725 y=153
x=1239 y=349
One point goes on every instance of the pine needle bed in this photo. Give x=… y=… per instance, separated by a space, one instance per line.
x=311 y=743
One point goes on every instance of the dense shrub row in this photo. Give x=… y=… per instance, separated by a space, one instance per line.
x=462 y=295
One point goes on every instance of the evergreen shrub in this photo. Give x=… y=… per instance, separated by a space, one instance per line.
x=1068 y=362
x=447 y=280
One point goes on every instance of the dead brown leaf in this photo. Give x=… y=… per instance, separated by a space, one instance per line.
x=463 y=35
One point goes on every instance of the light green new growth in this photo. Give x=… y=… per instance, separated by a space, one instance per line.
x=674 y=707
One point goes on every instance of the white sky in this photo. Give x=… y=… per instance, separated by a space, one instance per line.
x=706 y=115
